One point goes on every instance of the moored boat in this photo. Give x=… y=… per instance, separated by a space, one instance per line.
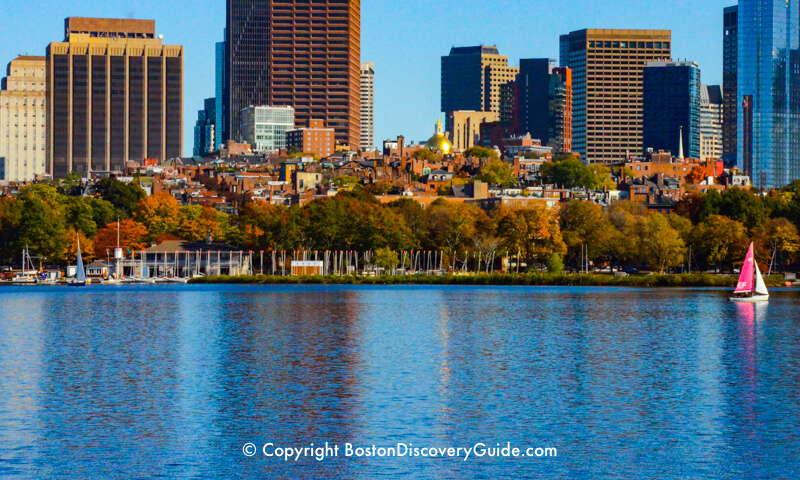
x=80 y=275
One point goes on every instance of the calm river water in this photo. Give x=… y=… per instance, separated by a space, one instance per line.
x=172 y=382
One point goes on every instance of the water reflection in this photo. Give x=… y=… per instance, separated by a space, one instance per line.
x=622 y=381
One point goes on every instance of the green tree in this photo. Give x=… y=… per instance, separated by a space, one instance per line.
x=386 y=259
x=379 y=188
x=452 y=225
x=79 y=215
x=554 y=263
x=10 y=217
x=744 y=206
x=497 y=172
x=661 y=245
x=569 y=173
x=123 y=196
x=345 y=181
x=69 y=184
x=425 y=154
x=481 y=153
x=41 y=226
x=623 y=241
x=583 y=225
x=720 y=241
x=780 y=237
x=415 y=217
x=601 y=177
x=691 y=206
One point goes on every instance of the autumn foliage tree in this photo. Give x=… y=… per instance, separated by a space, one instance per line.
x=533 y=232
x=70 y=255
x=158 y=213
x=196 y=222
x=132 y=235
x=699 y=173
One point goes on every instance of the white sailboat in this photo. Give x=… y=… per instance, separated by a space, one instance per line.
x=80 y=276
x=751 y=287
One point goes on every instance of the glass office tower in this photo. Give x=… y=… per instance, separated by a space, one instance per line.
x=768 y=94
x=671 y=105
x=221 y=90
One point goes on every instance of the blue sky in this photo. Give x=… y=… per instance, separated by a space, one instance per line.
x=405 y=39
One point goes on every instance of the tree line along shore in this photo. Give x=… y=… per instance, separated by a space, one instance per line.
x=497 y=279
x=705 y=232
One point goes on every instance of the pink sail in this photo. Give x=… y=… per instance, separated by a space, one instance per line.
x=745 y=283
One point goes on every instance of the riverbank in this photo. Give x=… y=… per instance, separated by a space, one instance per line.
x=541 y=279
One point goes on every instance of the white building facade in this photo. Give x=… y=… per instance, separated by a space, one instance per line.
x=711 y=100
x=23 y=120
x=367 y=106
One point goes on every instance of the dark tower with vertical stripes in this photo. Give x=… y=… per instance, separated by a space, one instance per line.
x=303 y=54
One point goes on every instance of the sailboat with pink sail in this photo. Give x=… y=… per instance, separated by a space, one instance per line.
x=750 y=287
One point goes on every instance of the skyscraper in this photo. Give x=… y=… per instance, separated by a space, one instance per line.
x=671 y=107
x=368 y=106
x=472 y=79
x=204 y=129
x=221 y=92
x=730 y=48
x=22 y=120
x=711 y=121
x=545 y=102
x=607 y=75
x=768 y=95
x=115 y=93
x=298 y=53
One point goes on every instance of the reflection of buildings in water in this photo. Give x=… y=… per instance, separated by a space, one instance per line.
x=300 y=352
x=23 y=366
x=199 y=401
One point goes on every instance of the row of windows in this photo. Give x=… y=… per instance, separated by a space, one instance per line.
x=631 y=44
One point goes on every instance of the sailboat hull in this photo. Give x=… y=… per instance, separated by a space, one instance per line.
x=753 y=299
x=77 y=284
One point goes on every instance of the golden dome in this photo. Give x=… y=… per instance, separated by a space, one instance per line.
x=439 y=141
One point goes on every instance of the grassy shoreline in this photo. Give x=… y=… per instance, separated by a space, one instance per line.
x=538 y=279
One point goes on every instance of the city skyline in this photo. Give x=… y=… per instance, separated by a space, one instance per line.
x=405 y=104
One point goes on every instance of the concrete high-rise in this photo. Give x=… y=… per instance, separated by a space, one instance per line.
x=711 y=121
x=115 y=93
x=607 y=77
x=302 y=54
x=368 y=106
x=730 y=47
x=472 y=80
x=22 y=120
x=768 y=91
x=671 y=107
x=545 y=102
x=466 y=127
